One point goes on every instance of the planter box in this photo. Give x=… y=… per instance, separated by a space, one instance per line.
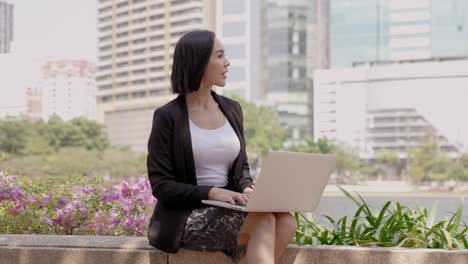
x=41 y=249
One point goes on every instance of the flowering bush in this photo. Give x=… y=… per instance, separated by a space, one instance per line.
x=79 y=206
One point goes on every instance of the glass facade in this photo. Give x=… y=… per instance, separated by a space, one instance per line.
x=449 y=28
x=287 y=45
x=382 y=30
x=6 y=26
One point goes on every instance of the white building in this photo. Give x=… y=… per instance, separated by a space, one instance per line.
x=347 y=99
x=67 y=88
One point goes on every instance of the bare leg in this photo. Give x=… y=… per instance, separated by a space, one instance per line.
x=285 y=230
x=258 y=231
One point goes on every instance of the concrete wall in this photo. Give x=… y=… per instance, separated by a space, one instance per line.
x=41 y=249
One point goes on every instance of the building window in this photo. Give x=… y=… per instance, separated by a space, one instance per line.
x=123 y=34
x=106 y=99
x=138 y=51
x=123 y=24
x=123 y=4
x=122 y=54
x=139 y=61
x=138 y=82
x=140 y=94
x=139 y=10
x=157 y=92
x=102 y=39
x=105 y=19
x=139 y=41
x=136 y=72
x=139 y=21
x=158 y=58
x=122 y=64
x=187 y=11
x=157 y=6
x=138 y=30
x=105 y=29
x=122 y=14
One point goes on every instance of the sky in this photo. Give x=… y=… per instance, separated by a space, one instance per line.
x=43 y=30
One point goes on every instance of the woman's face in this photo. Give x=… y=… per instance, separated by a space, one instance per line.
x=217 y=68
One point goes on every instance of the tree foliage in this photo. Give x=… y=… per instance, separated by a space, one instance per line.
x=64 y=149
x=428 y=163
x=69 y=162
x=347 y=159
x=26 y=137
x=261 y=129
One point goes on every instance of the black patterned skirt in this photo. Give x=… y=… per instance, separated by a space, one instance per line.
x=214 y=229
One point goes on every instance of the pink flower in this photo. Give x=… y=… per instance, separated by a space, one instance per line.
x=114 y=222
x=84 y=212
x=19 y=206
x=125 y=189
x=86 y=190
x=62 y=201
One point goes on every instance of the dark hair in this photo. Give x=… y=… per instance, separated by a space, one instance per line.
x=191 y=56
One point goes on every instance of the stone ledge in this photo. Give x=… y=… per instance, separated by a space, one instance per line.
x=39 y=249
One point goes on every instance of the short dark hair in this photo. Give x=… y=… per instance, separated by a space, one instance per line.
x=191 y=56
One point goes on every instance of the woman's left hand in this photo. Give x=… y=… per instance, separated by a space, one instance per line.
x=248 y=190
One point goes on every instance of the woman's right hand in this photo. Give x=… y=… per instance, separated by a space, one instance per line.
x=227 y=196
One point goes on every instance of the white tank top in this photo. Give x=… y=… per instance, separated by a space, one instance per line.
x=214 y=152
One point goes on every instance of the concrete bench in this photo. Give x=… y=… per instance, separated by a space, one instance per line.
x=42 y=249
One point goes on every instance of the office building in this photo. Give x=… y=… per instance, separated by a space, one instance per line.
x=364 y=31
x=6 y=26
x=286 y=64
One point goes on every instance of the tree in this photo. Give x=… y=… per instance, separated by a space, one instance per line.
x=347 y=160
x=428 y=162
x=95 y=136
x=261 y=129
x=390 y=158
x=13 y=135
x=26 y=137
x=322 y=146
x=464 y=160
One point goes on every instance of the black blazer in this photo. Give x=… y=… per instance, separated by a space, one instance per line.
x=171 y=169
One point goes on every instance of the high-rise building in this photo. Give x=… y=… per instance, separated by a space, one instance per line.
x=6 y=26
x=239 y=27
x=66 y=88
x=136 y=45
x=286 y=64
x=363 y=31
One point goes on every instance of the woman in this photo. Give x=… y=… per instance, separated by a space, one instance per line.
x=196 y=151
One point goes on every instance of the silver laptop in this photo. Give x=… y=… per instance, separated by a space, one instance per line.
x=288 y=182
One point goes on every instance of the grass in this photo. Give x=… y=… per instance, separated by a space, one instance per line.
x=393 y=225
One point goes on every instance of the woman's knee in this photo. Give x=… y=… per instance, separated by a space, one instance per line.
x=265 y=218
x=286 y=222
x=257 y=221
